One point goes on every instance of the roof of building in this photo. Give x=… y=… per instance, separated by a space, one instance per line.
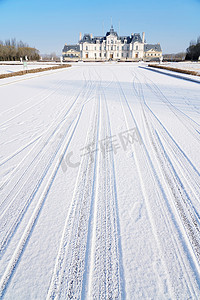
x=136 y=38
x=86 y=38
x=71 y=47
x=99 y=39
x=112 y=32
x=155 y=47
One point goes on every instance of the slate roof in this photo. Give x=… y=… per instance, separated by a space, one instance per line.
x=93 y=40
x=136 y=38
x=112 y=32
x=155 y=47
x=99 y=39
x=86 y=38
x=71 y=47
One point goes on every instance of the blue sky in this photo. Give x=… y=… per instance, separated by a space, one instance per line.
x=48 y=24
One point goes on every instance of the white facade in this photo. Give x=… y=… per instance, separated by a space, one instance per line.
x=111 y=47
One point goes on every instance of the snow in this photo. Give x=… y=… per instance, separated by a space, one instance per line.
x=99 y=184
x=10 y=67
x=190 y=66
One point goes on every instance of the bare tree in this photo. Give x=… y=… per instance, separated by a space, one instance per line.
x=192 y=43
x=13 y=50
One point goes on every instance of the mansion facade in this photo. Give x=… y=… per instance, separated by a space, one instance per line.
x=112 y=47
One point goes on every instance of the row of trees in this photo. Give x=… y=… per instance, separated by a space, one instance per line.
x=193 y=51
x=11 y=50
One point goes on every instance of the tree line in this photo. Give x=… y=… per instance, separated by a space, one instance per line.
x=193 y=51
x=11 y=50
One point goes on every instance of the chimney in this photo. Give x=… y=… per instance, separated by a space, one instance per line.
x=80 y=36
x=143 y=36
x=91 y=35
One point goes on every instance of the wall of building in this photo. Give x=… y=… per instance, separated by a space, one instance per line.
x=114 y=48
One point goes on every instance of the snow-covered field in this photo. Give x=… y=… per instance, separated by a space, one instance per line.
x=99 y=185
x=7 y=67
x=191 y=66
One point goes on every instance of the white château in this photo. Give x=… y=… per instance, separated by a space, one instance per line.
x=112 y=47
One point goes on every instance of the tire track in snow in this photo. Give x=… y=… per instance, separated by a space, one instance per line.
x=17 y=202
x=76 y=268
x=192 y=126
x=30 y=99
x=186 y=167
x=188 y=214
x=44 y=98
x=49 y=134
x=105 y=269
x=32 y=221
x=53 y=127
x=174 y=261
x=70 y=263
x=179 y=155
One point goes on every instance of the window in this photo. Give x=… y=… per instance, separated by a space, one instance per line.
x=95 y=48
x=104 y=54
x=111 y=47
x=99 y=54
x=117 y=54
x=136 y=47
x=122 y=54
x=117 y=47
x=111 y=41
x=86 y=48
